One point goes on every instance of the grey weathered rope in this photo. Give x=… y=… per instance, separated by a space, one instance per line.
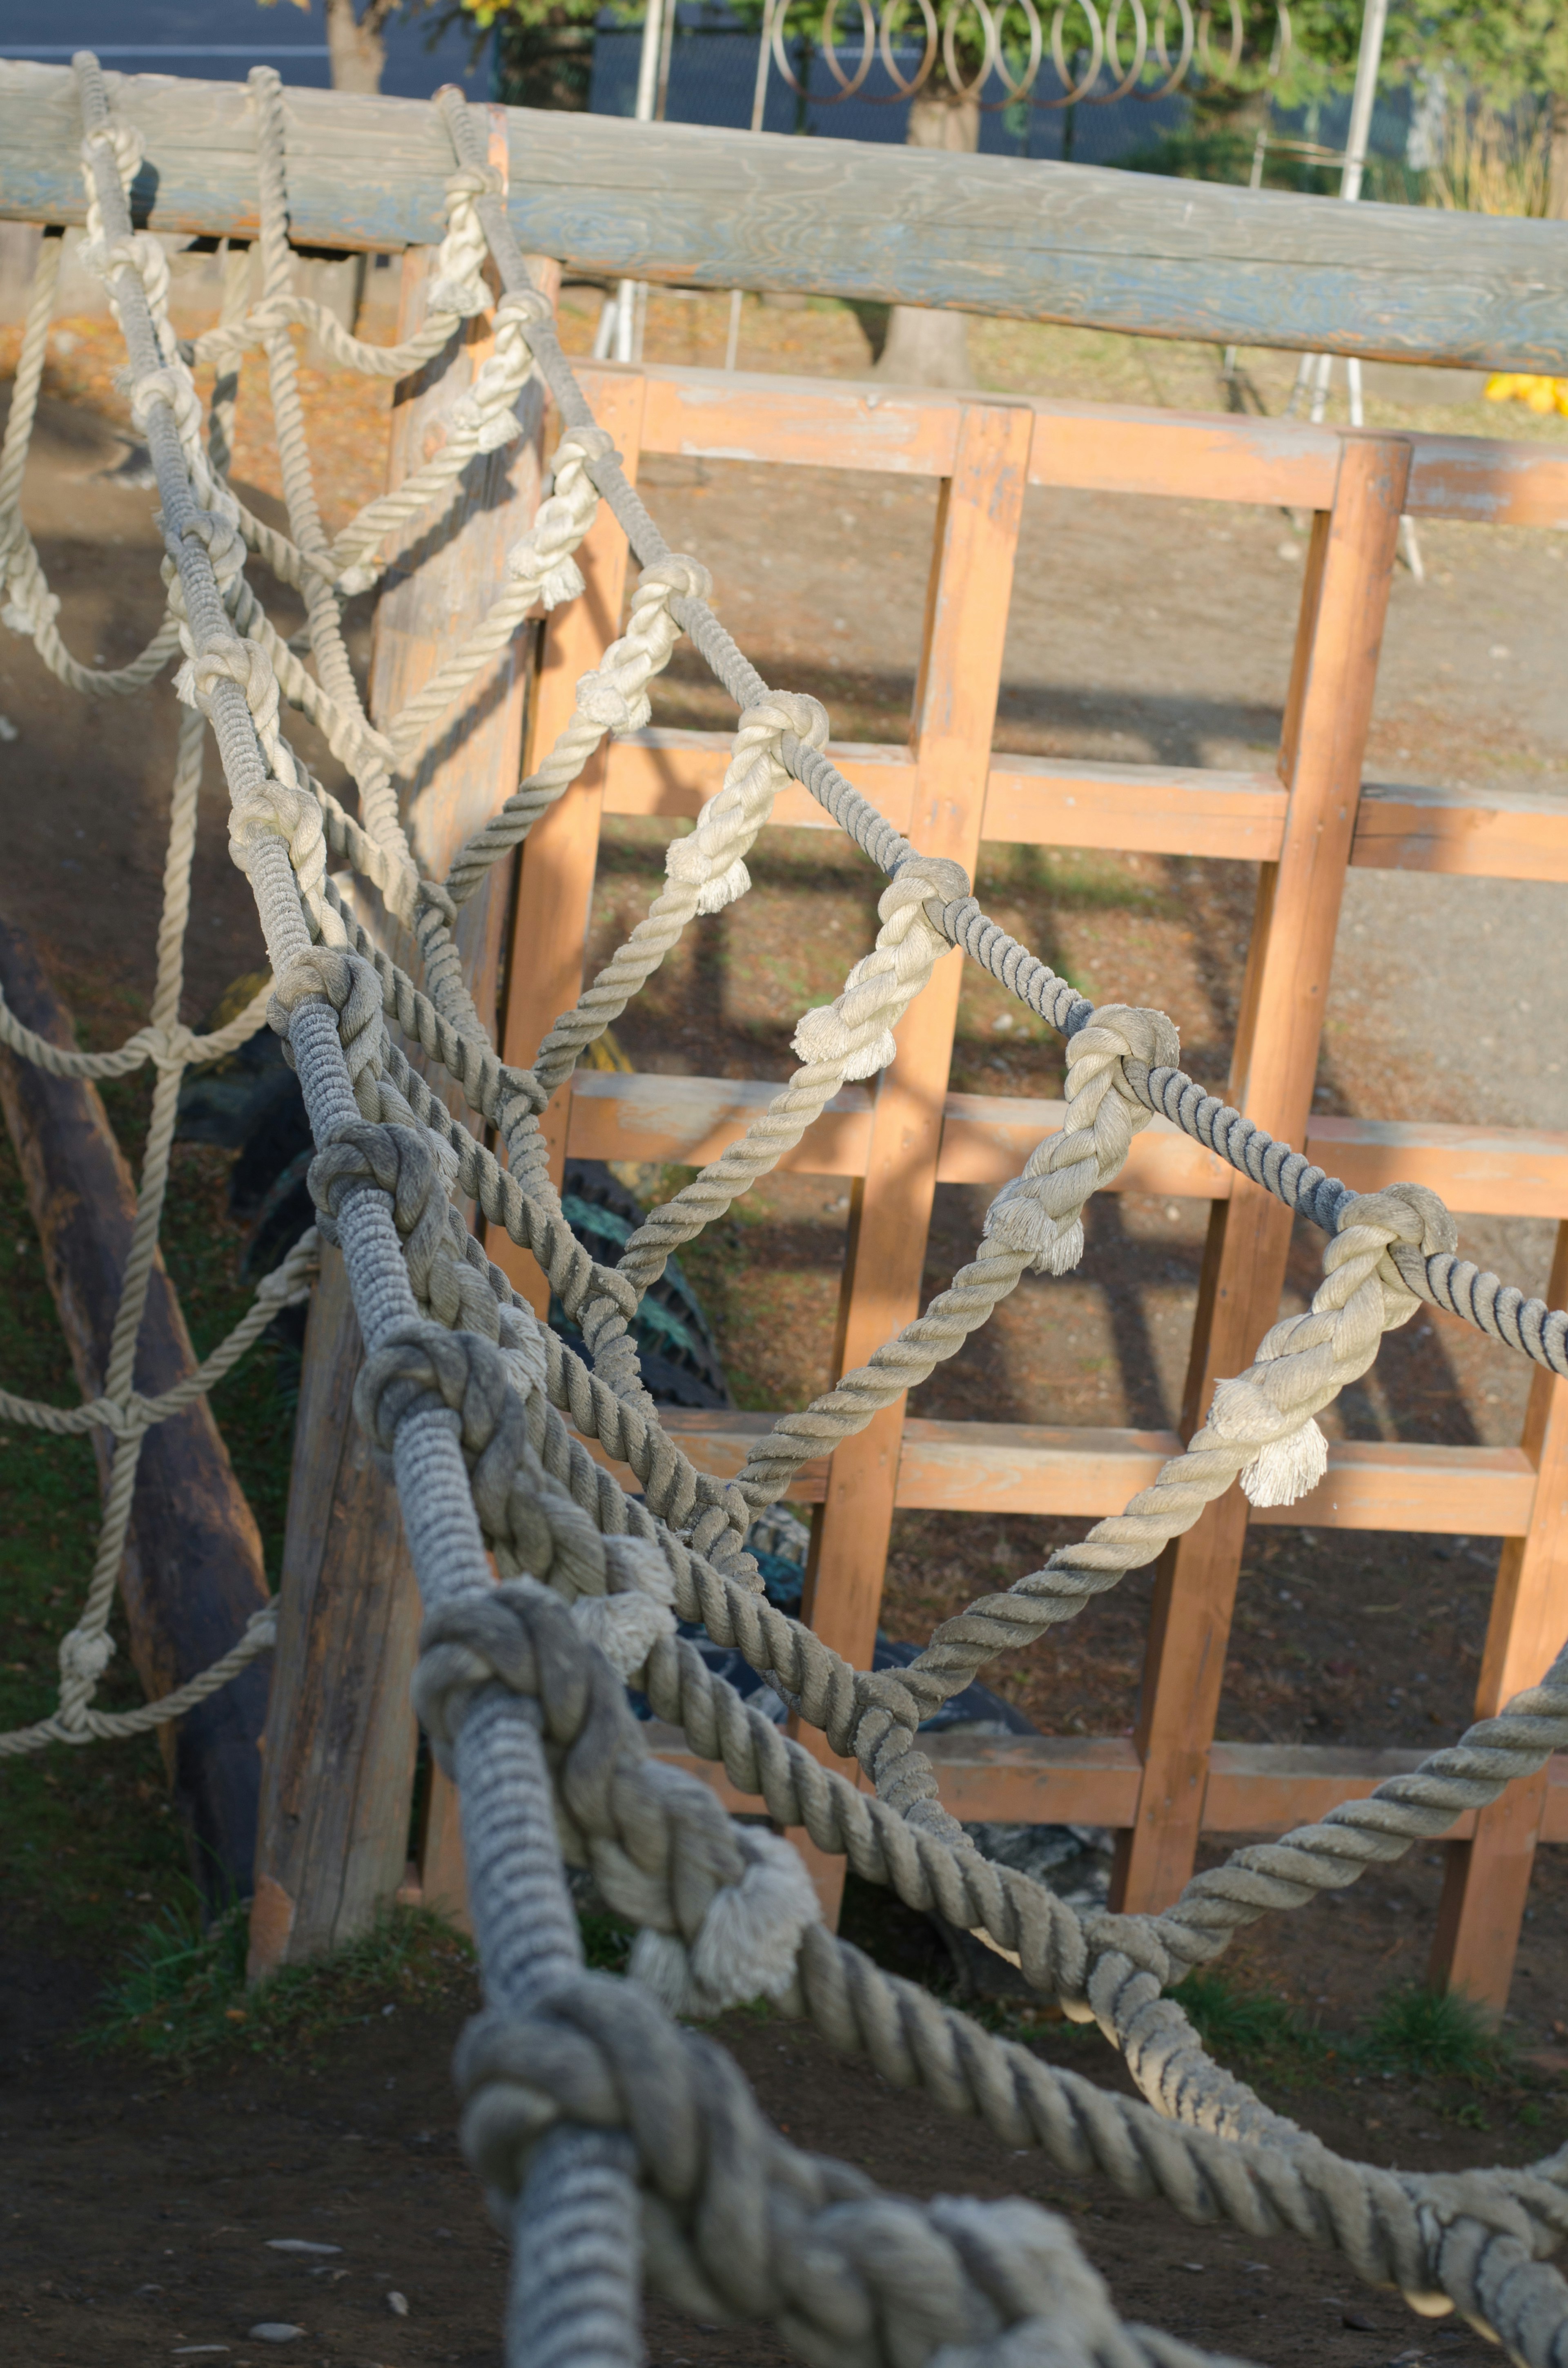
x=529 y=1921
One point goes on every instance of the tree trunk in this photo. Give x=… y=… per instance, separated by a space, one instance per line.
x=354 y=45
x=1557 y=184
x=925 y=348
x=193 y=1572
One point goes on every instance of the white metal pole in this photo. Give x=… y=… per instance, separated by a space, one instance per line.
x=758 y=108
x=622 y=341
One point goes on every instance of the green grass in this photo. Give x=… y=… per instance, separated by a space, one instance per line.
x=1443 y=2032
x=181 y=1995
x=1239 y=2024
x=92 y=1840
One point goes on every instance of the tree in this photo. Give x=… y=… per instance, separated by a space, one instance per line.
x=1511 y=52
x=355 y=45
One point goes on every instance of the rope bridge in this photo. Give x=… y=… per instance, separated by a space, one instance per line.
x=616 y=2145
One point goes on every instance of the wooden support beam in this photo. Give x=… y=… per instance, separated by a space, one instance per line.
x=1486 y=1879
x=341 y=1735
x=193 y=1573
x=979 y=514
x=1328 y=710
x=556 y=883
x=668 y=202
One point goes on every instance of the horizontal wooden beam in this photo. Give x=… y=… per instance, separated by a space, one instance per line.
x=1253 y=1788
x=680 y=202
x=1083 y=1473
x=1097 y=448
x=1485 y=1171
x=1132 y=809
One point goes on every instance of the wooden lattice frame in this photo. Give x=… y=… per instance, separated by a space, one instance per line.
x=1306 y=823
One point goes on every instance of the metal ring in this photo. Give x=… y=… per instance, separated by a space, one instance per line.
x=1021 y=88
x=1131 y=78
x=903 y=89
x=950 y=46
x=1073 y=91
x=1173 y=75
x=828 y=46
x=780 y=54
x=1205 y=58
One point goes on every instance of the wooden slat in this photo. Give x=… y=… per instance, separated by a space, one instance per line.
x=1328 y=710
x=1084 y=1472
x=1480 y=1171
x=1134 y=808
x=1486 y=1880
x=979 y=515
x=1250 y=1788
x=1491 y=835
x=555 y=883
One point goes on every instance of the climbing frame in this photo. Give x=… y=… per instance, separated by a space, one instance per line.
x=1305 y=822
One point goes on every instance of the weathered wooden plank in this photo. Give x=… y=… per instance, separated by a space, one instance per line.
x=979 y=515
x=1328 y=709
x=1135 y=809
x=1482 y=1171
x=729 y=209
x=555 y=885
x=1487 y=1878
x=1086 y=1472
x=193 y=1573
x=1252 y=1788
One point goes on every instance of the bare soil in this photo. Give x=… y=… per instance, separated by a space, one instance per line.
x=1146 y=630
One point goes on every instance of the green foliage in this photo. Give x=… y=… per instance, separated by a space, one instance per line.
x=182 y=1996
x=1436 y=2032
x=1236 y=2023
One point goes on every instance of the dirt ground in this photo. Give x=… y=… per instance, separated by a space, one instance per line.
x=143 y=2203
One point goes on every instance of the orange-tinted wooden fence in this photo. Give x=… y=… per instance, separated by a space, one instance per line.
x=1305 y=823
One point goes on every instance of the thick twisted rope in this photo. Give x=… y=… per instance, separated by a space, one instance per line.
x=526 y=1488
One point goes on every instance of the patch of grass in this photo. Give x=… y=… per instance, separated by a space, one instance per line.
x=1236 y=2024
x=1436 y=2032
x=182 y=1996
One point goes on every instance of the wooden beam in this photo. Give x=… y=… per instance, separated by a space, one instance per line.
x=979 y=514
x=723 y=209
x=1328 y=710
x=341 y=1736
x=555 y=888
x=193 y=1573
x=1252 y=1788
x=1486 y=1880
x=1086 y=1472
x=1482 y=1172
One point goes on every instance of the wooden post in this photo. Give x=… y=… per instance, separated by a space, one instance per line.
x=340 y=1740
x=1343 y=603
x=1486 y=1879
x=955 y=710
x=555 y=885
x=193 y=1573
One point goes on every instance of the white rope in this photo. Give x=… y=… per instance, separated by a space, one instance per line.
x=595 y=1581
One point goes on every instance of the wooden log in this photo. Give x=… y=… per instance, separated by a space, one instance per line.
x=893 y=225
x=341 y=1739
x=193 y=1573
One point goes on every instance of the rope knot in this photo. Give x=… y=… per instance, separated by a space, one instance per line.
x=712 y=861
x=421 y=1368
x=347 y=983
x=529 y=307
x=1306 y=1361
x=854 y=1033
x=1039 y=1216
x=85 y=1655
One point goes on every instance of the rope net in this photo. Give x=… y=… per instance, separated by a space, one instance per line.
x=618 y=2146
